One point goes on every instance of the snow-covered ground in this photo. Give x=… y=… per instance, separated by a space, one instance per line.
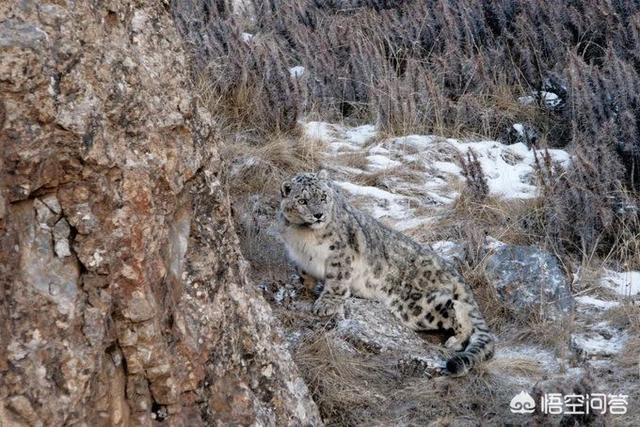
x=434 y=162
x=509 y=169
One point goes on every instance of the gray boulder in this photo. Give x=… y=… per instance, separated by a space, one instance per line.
x=529 y=279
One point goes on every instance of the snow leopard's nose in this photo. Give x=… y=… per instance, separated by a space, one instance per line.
x=318 y=216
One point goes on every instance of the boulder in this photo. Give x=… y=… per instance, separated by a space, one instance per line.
x=371 y=327
x=529 y=280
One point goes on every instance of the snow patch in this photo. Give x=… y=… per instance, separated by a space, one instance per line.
x=384 y=204
x=417 y=142
x=509 y=169
x=378 y=162
x=592 y=344
x=296 y=71
x=625 y=283
x=361 y=134
x=519 y=127
x=599 y=303
x=448 y=167
x=339 y=137
x=320 y=130
x=379 y=150
x=548 y=99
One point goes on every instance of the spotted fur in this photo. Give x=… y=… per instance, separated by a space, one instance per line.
x=354 y=254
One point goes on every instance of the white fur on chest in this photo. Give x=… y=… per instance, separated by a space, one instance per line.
x=307 y=251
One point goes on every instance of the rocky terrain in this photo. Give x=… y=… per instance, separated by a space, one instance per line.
x=558 y=332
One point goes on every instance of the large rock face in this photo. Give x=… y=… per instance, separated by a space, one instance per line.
x=123 y=297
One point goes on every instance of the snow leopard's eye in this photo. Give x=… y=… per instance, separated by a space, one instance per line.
x=323 y=198
x=302 y=201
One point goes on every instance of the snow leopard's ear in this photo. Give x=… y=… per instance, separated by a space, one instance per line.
x=285 y=188
x=322 y=174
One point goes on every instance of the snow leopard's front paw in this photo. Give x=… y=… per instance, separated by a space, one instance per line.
x=327 y=306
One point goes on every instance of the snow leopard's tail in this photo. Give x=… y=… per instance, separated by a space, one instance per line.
x=480 y=347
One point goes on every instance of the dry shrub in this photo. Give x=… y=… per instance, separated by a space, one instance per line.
x=453 y=67
x=249 y=85
x=477 y=187
x=585 y=210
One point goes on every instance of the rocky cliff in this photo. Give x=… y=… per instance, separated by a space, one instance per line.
x=123 y=296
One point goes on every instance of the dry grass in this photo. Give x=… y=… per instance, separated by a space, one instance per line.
x=625 y=316
x=261 y=168
x=470 y=219
x=552 y=334
x=357 y=159
x=480 y=397
x=453 y=68
x=625 y=247
x=355 y=388
x=629 y=357
x=382 y=178
x=516 y=366
x=344 y=383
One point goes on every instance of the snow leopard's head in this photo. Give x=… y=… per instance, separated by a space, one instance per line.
x=308 y=199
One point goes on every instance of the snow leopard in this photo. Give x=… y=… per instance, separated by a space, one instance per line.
x=331 y=241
